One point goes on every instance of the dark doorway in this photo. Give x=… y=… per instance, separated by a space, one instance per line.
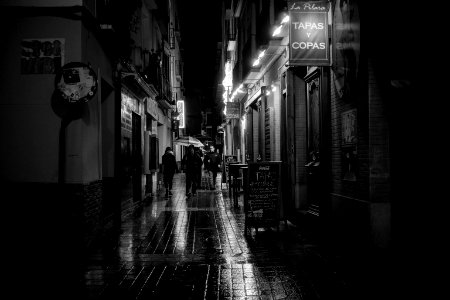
x=136 y=156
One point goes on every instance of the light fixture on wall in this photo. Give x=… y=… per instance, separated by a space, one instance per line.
x=258 y=60
x=277 y=31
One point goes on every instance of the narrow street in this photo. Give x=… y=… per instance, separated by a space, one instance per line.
x=195 y=248
x=324 y=112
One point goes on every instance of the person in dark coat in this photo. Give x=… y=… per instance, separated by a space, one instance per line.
x=212 y=164
x=192 y=161
x=169 y=167
x=199 y=169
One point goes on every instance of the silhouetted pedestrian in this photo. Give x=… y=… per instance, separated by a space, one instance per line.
x=199 y=168
x=169 y=167
x=212 y=164
x=192 y=162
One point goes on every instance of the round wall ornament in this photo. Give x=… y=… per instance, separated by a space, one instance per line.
x=76 y=82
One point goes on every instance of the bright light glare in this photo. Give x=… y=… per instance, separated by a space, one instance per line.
x=261 y=54
x=285 y=19
x=277 y=31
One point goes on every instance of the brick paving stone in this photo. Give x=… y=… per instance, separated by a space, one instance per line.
x=196 y=248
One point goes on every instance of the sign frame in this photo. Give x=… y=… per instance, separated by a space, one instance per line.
x=233 y=110
x=261 y=193
x=309 y=37
x=180 y=109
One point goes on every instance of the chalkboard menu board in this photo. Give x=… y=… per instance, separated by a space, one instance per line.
x=263 y=193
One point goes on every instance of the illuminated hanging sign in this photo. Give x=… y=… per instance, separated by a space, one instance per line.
x=233 y=110
x=227 y=81
x=180 y=108
x=308 y=33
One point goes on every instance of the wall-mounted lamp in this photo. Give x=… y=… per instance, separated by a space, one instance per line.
x=258 y=60
x=261 y=54
x=277 y=31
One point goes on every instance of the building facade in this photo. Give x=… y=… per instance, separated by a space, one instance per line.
x=324 y=114
x=95 y=159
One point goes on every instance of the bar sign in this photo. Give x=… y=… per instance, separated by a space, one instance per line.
x=308 y=33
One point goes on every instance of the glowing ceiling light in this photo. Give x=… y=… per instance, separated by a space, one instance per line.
x=256 y=62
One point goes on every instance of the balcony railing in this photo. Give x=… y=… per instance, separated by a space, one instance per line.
x=166 y=90
x=155 y=76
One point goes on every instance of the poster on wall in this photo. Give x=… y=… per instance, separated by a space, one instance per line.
x=42 y=56
x=349 y=143
x=308 y=33
x=349 y=127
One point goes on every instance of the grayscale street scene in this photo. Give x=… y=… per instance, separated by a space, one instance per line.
x=222 y=149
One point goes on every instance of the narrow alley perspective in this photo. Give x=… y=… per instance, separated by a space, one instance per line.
x=317 y=122
x=196 y=248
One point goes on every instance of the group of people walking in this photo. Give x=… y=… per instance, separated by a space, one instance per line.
x=192 y=164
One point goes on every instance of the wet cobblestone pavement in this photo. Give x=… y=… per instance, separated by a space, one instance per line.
x=195 y=248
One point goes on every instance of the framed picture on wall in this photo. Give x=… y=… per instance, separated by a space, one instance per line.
x=349 y=134
x=349 y=145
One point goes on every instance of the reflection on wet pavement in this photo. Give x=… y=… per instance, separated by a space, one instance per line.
x=195 y=248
